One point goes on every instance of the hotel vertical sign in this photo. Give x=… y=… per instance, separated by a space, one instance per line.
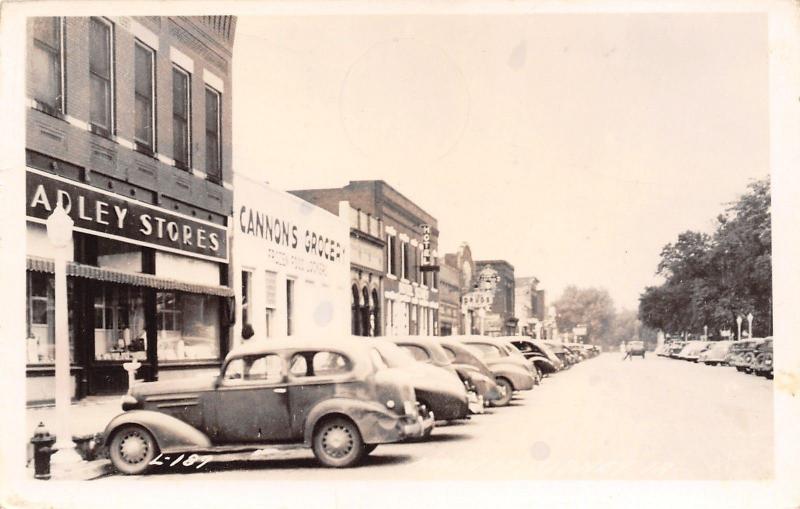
x=428 y=260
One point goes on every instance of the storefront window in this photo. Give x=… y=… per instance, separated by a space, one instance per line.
x=271 y=280
x=289 y=307
x=119 y=332
x=246 y=298
x=40 y=305
x=188 y=326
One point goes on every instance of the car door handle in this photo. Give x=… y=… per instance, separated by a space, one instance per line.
x=279 y=390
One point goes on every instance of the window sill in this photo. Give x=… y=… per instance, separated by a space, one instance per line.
x=189 y=364
x=389 y=275
x=48 y=369
x=48 y=110
x=144 y=149
x=182 y=166
x=102 y=132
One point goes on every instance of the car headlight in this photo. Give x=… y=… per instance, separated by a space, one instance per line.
x=390 y=403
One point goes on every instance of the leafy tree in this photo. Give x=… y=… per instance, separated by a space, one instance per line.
x=592 y=307
x=710 y=280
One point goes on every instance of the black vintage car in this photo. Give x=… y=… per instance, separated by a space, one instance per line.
x=542 y=356
x=762 y=362
x=336 y=397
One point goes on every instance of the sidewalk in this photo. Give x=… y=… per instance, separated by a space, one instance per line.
x=87 y=417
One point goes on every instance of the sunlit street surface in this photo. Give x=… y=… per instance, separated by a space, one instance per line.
x=603 y=419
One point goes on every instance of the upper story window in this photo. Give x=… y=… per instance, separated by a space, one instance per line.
x=144 y=107
x=181 y=111
x=418 y=267
x=213 y=145
x=47 y=64
x=391 y=248
x=404 y=260
x=101 y=53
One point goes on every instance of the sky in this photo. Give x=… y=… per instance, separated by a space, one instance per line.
x=574 y=146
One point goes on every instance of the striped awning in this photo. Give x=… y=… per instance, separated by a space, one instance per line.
x=127 y=278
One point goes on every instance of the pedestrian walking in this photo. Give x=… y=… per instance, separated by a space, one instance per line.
x=624 y=347
x=247 y=331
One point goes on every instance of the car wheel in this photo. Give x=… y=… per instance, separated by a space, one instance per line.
x=368 y=448
x=338 y=443
x=506 y=390
x=131 y=450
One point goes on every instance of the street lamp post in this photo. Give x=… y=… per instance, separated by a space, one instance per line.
x=739 y=327
x=749 y=325
x=59 y=232
x=705 y=332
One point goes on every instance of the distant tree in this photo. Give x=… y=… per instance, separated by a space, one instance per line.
x=592 y=307
x=627 y=326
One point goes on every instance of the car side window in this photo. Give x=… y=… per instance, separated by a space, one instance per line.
x=260 y=368
x=299 y=366
x=234 y=370
x=267 y=368
x=490 y=351
x=417 y=352
x=322 y=363
x=329 y=363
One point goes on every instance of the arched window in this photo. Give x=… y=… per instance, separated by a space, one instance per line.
x=365 y=330
x=375 y=321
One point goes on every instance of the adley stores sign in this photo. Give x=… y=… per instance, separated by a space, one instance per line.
x=110 y=215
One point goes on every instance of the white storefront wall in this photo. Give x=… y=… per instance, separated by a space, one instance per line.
x=278 y=237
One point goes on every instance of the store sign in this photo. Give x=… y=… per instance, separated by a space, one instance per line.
x=111 y=215
x=492 y=322
x=478 y=299
x=286 y=233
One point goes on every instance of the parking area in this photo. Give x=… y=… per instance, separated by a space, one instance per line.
x=651 y=418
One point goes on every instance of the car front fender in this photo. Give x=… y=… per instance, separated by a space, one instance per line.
x=544 y=364
x=376 y=423
x=169 y=432
x=521 y=380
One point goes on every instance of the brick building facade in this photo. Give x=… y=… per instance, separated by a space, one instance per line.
x=497 y=278
x=530 y=306
x=129 y=127
x=410 y=300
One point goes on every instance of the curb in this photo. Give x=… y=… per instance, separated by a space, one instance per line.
x=83 y=471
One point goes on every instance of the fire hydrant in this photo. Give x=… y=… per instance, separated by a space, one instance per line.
x=43 y=443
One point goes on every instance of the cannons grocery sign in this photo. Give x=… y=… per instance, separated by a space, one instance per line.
x=114 y=216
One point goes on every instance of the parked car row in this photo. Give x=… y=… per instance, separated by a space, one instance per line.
x=753 y=356
x=340 y=397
